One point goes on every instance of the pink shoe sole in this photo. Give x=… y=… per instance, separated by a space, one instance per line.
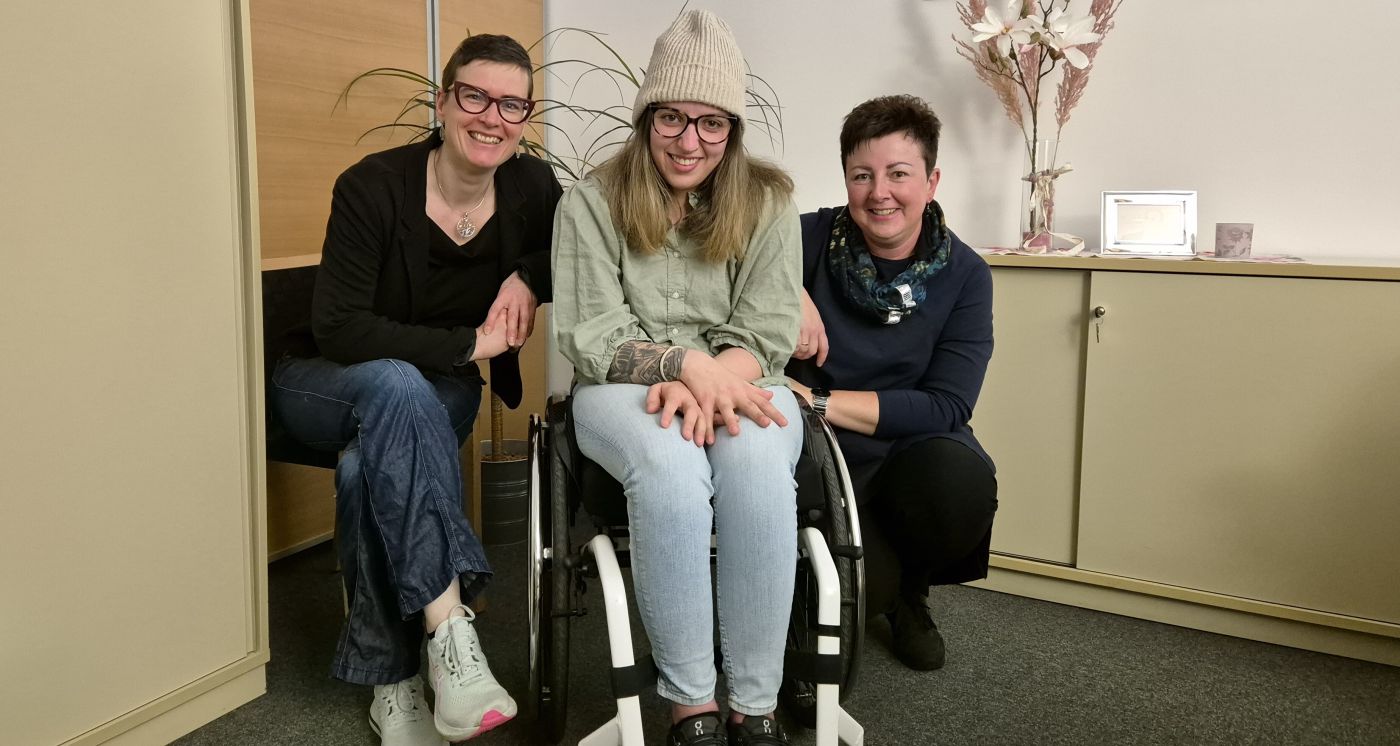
x=491 y=719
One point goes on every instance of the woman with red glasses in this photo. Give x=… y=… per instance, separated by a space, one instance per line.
x=436 y=256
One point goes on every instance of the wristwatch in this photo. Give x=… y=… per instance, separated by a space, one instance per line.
x=819 y=399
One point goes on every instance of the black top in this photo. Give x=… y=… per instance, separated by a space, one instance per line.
x=464 y=277
x=375 y=272
x=888 y=269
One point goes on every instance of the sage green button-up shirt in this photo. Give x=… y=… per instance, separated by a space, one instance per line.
x=605 y=294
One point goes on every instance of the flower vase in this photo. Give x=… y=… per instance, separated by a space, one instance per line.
x=1038 y=197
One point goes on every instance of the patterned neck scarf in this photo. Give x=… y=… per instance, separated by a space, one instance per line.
x=853 y=271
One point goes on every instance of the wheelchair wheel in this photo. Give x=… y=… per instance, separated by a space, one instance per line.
x=836 y=522
x=550 y=590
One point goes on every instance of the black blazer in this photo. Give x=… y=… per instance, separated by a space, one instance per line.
x=374 y=264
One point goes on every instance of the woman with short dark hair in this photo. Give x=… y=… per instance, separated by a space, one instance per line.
x=436 y=256
x=895 y=340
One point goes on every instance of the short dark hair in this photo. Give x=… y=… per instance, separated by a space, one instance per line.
x=888 y=115
x=492 y=48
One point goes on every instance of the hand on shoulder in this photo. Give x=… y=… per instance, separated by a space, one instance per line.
x=811 y=335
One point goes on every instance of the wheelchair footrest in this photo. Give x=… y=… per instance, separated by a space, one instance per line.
x=815 y=668
x=630 y=681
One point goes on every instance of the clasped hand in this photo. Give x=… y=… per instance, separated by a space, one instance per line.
x=514 y=310
x=709 y=396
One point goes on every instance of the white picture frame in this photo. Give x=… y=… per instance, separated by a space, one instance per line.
x=1161 y=223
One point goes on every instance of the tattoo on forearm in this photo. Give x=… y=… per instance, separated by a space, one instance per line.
x=646 y=363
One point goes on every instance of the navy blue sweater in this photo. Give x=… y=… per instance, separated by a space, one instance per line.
x=927 y=369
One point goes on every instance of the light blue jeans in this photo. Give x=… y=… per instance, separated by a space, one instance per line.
x=669 y=484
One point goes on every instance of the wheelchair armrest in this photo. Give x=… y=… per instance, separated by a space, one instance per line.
x=812 y=474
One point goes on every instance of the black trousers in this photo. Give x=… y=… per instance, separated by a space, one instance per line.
x=926 y=519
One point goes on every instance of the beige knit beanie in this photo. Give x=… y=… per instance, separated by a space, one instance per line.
x=696 y=59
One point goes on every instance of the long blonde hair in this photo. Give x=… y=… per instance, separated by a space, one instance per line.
x=733 y=198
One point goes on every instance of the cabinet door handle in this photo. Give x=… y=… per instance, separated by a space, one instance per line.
x=1099 y=312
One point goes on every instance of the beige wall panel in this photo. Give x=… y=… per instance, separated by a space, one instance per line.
x=1240 y=437
x=304 y=53
x=1028 y=414
x=127 y=535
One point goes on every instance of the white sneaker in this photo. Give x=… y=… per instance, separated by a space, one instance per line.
x=399 y=715
x=467 y=700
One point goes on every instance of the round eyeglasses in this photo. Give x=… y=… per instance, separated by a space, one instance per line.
x=711 y=128
x=473 y=100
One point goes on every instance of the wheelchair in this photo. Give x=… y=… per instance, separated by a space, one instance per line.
x=827 y=623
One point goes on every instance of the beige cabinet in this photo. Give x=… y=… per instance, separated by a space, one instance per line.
x=1241 y=436
x=1216 y=447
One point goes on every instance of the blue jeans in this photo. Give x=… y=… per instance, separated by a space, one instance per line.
x=669 y=484
x=403 y=538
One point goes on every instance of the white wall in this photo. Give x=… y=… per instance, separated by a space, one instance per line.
x=1276 y=113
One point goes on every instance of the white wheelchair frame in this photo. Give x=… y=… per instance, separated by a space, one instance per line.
x=833 y=724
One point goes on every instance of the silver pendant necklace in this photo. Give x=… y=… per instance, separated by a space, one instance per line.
x=465 y=227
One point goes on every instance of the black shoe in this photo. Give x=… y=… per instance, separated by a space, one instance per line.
x=705 y=729
x=914 y=635
x=757 y=730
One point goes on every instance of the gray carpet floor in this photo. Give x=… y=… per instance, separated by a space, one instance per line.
x=1019 y=671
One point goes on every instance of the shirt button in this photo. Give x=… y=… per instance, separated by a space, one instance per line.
x=675 y=331
x=675 y=295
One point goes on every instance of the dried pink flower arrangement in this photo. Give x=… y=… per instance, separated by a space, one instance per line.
x=1015 y=46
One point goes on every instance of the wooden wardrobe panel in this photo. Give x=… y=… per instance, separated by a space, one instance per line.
x=304 y=54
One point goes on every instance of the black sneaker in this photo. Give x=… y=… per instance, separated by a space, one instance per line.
x=915 y=638
x=705 y=729
x=757 y=730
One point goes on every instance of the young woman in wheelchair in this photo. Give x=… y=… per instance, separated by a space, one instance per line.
x=436 y=255
x=895 y=340
x=677 y=278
